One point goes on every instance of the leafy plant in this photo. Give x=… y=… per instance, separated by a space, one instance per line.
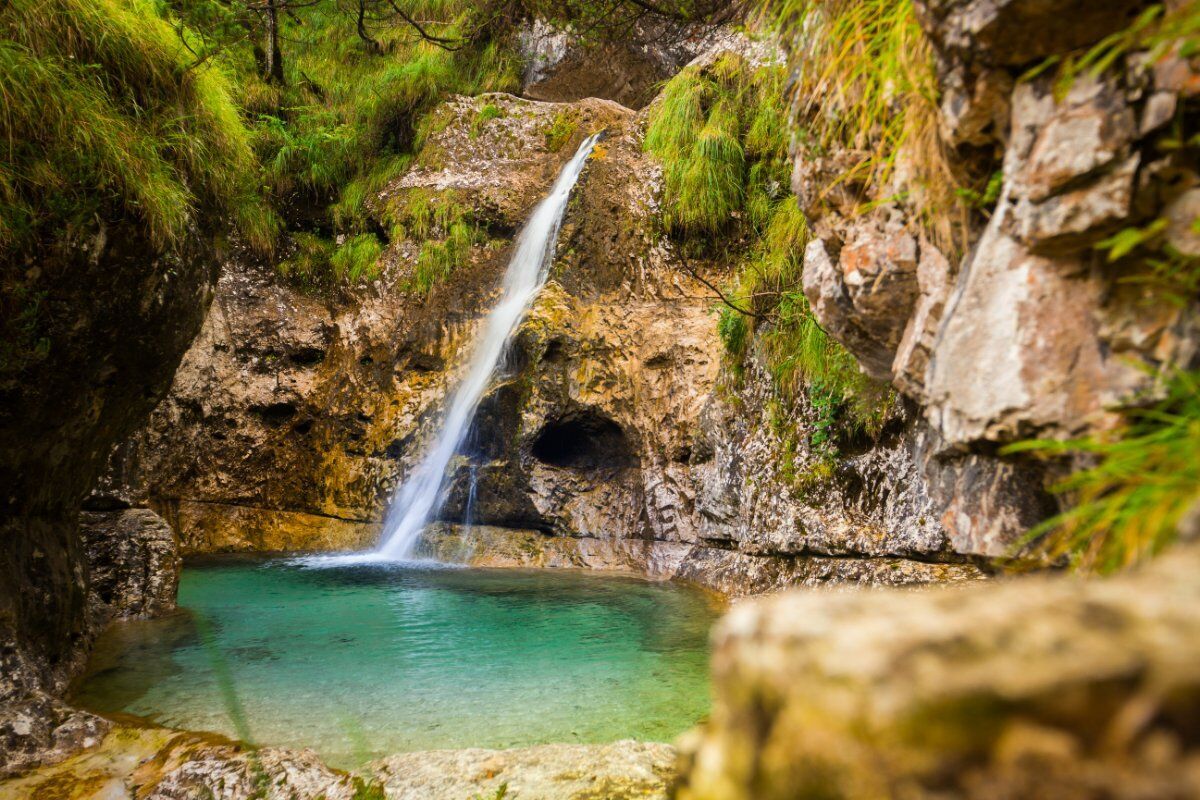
x=1145 y=477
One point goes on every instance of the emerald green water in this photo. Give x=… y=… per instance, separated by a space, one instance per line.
x=360 y=661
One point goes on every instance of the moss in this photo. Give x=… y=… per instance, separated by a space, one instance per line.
x=561 y=128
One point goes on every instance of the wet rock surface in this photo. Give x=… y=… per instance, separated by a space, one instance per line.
x=619 y=771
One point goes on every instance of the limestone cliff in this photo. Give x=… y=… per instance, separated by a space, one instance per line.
x=613 y=438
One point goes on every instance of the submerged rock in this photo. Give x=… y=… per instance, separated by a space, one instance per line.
x=625 y=770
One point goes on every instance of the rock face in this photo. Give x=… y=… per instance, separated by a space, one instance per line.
x=561 y=67
x=1031 y=332
x=108 y=322
x=1040 y=687
x=610 y=438
x=133 y=559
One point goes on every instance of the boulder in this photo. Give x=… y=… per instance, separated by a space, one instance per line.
x=1034 y=687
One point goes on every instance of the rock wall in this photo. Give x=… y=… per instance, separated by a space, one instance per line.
x=108 y=321
x=1032 y=332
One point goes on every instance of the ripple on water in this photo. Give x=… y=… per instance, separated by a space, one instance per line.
x=359 y=659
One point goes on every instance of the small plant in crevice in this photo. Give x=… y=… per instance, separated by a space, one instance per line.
x=560 y=130
x=487 y=113
x=446 y=229
x=1144 y=477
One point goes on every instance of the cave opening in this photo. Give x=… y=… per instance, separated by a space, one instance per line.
x=584 y=440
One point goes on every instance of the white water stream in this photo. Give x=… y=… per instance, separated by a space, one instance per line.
x=420 y=496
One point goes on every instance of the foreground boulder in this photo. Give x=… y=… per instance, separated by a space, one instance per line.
x=1044 y=687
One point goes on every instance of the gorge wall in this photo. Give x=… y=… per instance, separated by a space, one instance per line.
x=615 y=437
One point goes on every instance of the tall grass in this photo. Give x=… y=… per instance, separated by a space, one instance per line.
x=1145 y=477
x=866 y=85
x=720 y=132
x=104 y=110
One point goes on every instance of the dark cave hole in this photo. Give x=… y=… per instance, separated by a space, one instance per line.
x=275 y=413
x=583 y=440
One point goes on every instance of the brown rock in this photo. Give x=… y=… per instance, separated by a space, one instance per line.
x=133 y=562
x=1043 y=687
x=1017 y=32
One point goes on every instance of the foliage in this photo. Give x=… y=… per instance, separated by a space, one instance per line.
x=346 y=118
x=444 y=226
x=797 y=351
x=1145 y=477
x=868 y=85
x=1173 y=275
x=720 y=135
x=368 y=790
x=355 y=259
x=105 y=113
x=561 y=129
x=308 y=262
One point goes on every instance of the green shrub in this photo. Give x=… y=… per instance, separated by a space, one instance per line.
x=1128 y=506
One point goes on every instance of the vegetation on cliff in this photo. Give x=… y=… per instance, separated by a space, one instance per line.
x=106 y=114
x=720 y=132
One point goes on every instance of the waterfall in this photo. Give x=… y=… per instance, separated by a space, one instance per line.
x=421 y=495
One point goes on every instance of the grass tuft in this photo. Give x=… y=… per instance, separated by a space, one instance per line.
x=1145 y=478
x=868 y=86
x=105 y=112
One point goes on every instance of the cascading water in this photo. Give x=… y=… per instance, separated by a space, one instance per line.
x=420 y=497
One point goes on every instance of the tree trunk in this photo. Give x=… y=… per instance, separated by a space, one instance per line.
x=372 y=45
x=273 y=61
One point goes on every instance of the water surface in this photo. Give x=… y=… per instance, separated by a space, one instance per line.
x=360 y=661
